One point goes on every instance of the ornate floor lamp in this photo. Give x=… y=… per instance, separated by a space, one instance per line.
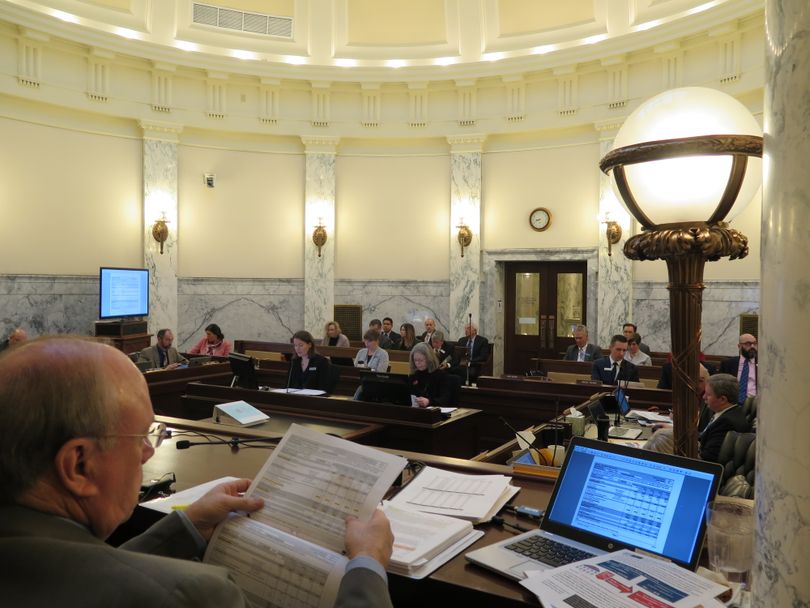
x=680 y=165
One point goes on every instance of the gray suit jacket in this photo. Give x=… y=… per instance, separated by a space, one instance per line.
x=150 y=354
x=51 y=561
x=377 y=363
x=592 y=352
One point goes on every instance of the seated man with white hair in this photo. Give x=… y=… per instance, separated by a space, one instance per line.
x=77 y=428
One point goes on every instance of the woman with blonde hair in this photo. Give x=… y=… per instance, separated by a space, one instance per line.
x=333 y=336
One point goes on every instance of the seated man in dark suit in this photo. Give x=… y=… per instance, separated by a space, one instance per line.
x=476 y=353
x=580 y=350
x=743 y=367
x=390 y=334
x=721 y=398
x=427 y=335
x=77 y=428
x=376 y=325
x=613 y=368
x=162 y=355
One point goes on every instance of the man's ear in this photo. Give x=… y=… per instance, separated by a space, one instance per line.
x=76 y=464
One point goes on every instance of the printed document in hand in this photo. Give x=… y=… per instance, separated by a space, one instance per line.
x=425 y=541
x=288 y=553
x=473 y=497
x=623 y=579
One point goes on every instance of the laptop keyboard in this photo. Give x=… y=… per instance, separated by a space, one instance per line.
x=620 y=432
x=548 y=551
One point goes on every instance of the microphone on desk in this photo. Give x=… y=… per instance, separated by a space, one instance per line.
x=531 y=443
x=289 y=375
x=234 y=442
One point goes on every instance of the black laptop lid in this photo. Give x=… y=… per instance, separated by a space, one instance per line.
x=613 y=497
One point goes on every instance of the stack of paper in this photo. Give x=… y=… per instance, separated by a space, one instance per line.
x=623 y=579
x=648 y=416
x=424 y=541
x=476 y=498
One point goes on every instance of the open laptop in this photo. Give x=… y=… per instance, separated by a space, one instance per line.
x=610 y=497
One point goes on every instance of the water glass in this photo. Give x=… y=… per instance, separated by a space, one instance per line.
x=730 y=536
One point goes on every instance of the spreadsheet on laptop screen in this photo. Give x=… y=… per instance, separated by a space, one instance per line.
x=651 y=505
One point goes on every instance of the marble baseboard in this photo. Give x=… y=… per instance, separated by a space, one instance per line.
x=723 y=303
x=254 y=309
x=272 y=309
x=403 y=301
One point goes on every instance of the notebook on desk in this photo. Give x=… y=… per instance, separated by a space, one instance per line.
x=610 y=497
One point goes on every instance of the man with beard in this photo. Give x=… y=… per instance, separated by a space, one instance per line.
x=744 y=367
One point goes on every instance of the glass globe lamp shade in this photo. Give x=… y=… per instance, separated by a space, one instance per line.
x=687 y=189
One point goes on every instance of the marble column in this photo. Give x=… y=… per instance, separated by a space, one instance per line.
x=319 y=210
x=160 y=201
x=615 y=300
x=465 y=208
x=782 y=557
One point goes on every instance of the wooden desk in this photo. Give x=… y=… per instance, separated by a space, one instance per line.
x=167 y=386
x=417 y=429
x=455 y=583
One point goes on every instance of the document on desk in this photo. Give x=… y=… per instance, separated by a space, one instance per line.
x=473 y=497
x=288 y=553
x=623 y=579
x=312 y=392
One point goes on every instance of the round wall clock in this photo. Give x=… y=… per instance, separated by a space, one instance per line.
x=540 y=219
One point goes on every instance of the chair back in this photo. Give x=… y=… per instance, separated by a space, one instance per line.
x=738 y=457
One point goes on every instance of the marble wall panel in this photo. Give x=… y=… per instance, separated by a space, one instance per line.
x=48 y=304
x=403 y=301
x=723 y=303
x=252 y=309
x=465 y=197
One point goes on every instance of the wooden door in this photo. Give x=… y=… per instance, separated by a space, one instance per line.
x=545 y=301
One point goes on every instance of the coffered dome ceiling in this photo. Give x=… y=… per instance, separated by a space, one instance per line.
x=379 y=40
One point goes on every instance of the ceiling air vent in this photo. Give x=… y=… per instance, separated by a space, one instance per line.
x=253 y=23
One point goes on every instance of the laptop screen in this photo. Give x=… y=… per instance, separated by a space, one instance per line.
x=621 y=398
x=613 y=496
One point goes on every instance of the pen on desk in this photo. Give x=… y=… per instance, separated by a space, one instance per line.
x=179 y=507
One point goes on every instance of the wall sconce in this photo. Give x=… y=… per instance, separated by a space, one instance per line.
x=319 y=236
x=680 y=165
x=160 y=231
x=464 y=236
x=613 y=233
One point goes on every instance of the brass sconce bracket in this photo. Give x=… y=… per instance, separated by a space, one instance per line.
x=613 y=233
x=464 y=237
x=319 y=237
x=160 y=231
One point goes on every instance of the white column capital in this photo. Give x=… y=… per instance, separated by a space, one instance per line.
x=474 y=142
x=161 y=131
x=323 y=144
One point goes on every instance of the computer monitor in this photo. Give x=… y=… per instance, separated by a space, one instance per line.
x=379 y=387
x=244 y=371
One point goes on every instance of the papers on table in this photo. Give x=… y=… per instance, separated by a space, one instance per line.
x=425 y=541
x=472 y=497
x=300 y=391
x=623 y=579
x=180 y=500
x=648 y=416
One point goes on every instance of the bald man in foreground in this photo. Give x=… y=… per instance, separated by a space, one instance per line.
x=76 y=427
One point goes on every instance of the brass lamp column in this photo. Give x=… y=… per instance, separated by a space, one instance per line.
x=685 y=244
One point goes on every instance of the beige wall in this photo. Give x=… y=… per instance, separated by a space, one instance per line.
x=393 y=217
x=563 y=178
x=70 y=201
x=251 y=224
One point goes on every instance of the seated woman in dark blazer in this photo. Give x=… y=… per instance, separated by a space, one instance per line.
x=308 y=368
x=408 y=334
x=429 y=385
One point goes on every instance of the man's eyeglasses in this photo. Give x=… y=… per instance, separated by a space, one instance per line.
x=748 y=343
x=153 y=437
